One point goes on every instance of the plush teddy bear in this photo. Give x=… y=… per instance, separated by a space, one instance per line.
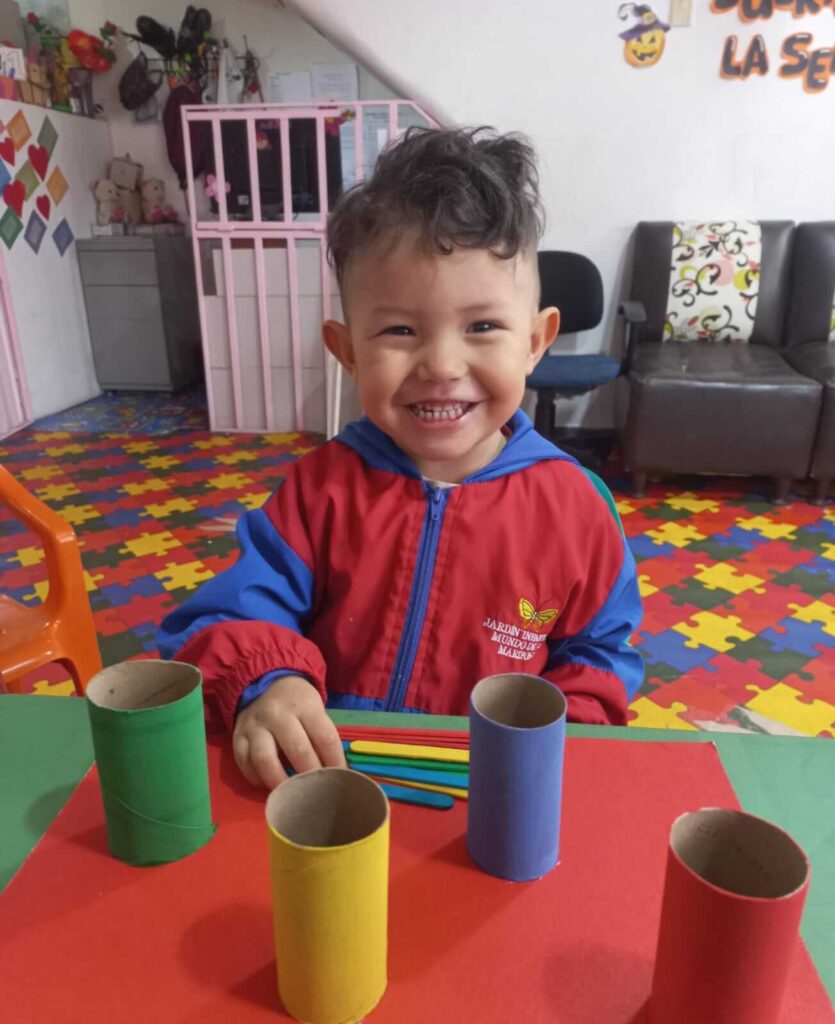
x=154 y=208
x=108 y=209
x=130 y=201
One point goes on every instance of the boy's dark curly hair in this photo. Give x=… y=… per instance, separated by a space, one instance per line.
x=466 y=187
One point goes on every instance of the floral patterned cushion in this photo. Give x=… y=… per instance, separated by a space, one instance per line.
x=714 y=281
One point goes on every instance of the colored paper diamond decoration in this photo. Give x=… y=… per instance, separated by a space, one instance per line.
x=35 y=230
x=10 y=227
x=63 y=237
x=19 y=131
x=56 y=185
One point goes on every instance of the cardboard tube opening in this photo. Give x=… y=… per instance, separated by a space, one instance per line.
x=517 y=700
x=327 y=807
x=140 y=685
x=739 y=853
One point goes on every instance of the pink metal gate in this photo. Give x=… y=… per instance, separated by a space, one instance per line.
x=258 y=232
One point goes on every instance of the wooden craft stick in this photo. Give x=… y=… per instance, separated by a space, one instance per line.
x=423 y=737
x=408 y=795
x=410 y=774
x=407 y=762
x=460 y=794
x=411 y=751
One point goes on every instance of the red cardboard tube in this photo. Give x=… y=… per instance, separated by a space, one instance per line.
x=730 y=917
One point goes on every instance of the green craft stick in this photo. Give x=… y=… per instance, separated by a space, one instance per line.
x=404 y=762
x=149 y=739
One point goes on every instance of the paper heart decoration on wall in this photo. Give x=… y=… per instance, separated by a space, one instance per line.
x=7 y=151
x=14 y=194
x=42 y=203
x=39 y=159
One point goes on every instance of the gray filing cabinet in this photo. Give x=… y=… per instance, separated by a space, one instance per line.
x=141 y=303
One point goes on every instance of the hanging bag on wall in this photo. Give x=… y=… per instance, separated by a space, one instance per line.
x=138 y=84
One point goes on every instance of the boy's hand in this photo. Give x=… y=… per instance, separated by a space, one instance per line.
x=290 y=717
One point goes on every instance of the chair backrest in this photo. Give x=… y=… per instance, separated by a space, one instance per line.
x=811 y=315
x=760 y=318
x=572 y=283
x=63 y=562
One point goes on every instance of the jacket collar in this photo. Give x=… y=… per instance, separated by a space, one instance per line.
x=524 y=448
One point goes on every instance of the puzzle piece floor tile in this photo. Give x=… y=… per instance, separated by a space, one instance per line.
x=796 y=636
x=691 y=593
x=718 y=632
x=727 y=577
x=673 y=649
x=784 y=704
x=673 y=567
x=658 y=674
x=697 y=696
x=769 y=559
x=757 y=614
x=661 y=612
x=817 y=612
x=817 y=679
x=646 y=714
x=774 y=664
x=812 y=581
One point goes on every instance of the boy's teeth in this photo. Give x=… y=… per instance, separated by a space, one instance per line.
x=441 y=412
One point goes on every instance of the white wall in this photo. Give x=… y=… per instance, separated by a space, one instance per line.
x=282 y=41
x=617 y=145
x=46 y=288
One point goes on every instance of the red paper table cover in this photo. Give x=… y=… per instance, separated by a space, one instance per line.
x=84 y=937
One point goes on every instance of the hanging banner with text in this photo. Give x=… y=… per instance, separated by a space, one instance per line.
x=800 y=57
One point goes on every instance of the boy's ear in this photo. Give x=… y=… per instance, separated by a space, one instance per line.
x=337 y=339
x=546 y=326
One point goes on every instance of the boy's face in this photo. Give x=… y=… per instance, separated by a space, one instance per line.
x=439 y=348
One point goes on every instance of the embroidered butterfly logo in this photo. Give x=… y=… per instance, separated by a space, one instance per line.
x=536 y=619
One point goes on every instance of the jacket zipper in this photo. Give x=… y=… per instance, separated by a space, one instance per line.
x=436 y=500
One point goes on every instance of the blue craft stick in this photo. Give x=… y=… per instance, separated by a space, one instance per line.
x=440 y=801
x=460 y=780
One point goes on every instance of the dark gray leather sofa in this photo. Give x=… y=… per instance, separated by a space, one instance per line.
x=809 y=326
x=715 y=407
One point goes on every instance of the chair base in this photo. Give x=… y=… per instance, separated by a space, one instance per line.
x=590 y=447
x=782 y=487
x=822 y=486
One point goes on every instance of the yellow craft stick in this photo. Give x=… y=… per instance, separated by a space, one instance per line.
x=457 y=792
x=452 y=754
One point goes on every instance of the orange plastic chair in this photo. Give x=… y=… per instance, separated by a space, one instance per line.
x=61 y=628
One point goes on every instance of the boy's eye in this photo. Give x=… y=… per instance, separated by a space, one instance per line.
x=483 y=326
x=398 y=329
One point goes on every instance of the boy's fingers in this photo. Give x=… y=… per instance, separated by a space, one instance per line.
x=263 y=759
x=325 y=739
x=240 y=748
x=295 y=745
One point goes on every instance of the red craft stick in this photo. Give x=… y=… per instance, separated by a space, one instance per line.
x=430 y=737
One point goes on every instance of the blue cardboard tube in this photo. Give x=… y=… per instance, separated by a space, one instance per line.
x=517 y=741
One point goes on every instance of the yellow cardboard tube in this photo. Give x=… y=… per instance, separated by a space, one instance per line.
x=450 y=754
x=329 y=849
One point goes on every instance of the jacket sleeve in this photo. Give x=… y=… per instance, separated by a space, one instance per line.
x=596 y=667
x=247 y=622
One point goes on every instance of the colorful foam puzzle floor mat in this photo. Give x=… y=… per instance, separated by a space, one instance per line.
x=739 y=624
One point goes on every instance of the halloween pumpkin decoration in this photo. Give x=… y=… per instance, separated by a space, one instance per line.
x=644 y=42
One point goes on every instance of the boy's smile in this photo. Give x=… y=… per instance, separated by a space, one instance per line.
x=439 y=347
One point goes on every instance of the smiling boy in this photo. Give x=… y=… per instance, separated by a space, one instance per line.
x=439 y=539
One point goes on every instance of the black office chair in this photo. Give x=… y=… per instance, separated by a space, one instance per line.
x=572 y=283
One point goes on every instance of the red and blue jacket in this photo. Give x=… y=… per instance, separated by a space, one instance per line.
x=390 y=594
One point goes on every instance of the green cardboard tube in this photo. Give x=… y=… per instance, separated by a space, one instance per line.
x=149 y=739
